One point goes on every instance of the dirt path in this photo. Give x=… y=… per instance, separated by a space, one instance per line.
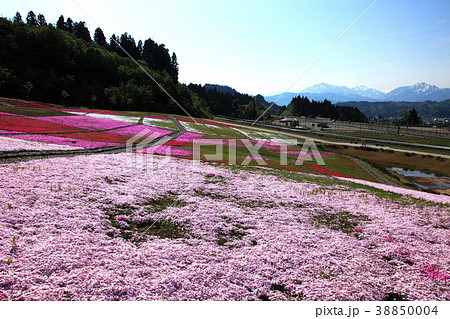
x=177 y=123
x=373 y=171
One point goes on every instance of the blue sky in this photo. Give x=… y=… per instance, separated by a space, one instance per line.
x=264 y=46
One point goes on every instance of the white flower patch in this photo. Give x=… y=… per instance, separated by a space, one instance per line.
x=158 y=122
x=76 y=113
x=199 y=128
x=14 y=144
x=245 y=133
x=120 y=118
x=263 y=136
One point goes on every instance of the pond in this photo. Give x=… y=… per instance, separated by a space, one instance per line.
x=426 y=181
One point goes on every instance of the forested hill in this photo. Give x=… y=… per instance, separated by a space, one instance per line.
x=425 y=110
x=220 y=88
x=61 y=64
x=302 y=106
x=227 y=102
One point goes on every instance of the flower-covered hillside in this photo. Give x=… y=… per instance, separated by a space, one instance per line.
x=29 y=125
x=95 y=228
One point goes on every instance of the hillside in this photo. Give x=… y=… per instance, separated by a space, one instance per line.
x=46 y=63
x=89 y=224
x=221 y=88
x=302 y=106
x=425 y=110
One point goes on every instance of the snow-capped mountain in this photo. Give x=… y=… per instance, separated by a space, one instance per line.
x=415 y=93
x=363 y=90
x=358 y=93
x=327 y=88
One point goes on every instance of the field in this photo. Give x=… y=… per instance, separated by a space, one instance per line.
x=241 y=227
x=409 y=160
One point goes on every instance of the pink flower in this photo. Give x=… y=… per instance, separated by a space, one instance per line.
x=403 y=252
x=433 y=273
x=390 y=239
x=123 y=218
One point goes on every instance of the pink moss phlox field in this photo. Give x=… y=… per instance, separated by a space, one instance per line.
x=432 y=272
x=66 y=234
x=85 y=122
x=189 y=137
x=166 y=150
x=276 y=147
x=254 y=158
x=136 y=129
x=404 y=191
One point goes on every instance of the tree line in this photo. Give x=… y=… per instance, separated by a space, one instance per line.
x=425 y=110
x=223 y=100
x=156 y=55
x=60 y=63
x=302 y=106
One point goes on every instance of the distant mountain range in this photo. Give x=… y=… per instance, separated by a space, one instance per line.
x=418 y=92
x=426 y=110
x=369 y=101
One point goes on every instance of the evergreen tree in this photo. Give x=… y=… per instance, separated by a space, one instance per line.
x=31 y=19
x=251 y=110
x=114 y=44
x=163 y=61
x=81 y=31
x=235 y=108
x=99 y=37
x=69 y=25
x=41 y=20
x=413 y=118
x=149 y=53
x=128 y=44
x=174 y=67
x=18 y=17
x=60 y=24
x=140 y=48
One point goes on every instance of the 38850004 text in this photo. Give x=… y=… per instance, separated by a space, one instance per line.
x=406 y=310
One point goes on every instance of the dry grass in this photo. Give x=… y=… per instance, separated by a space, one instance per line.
x=431 y=164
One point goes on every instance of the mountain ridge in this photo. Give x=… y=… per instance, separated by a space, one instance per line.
x=418 y=92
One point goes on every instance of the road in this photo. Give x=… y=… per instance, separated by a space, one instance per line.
x=298 y=135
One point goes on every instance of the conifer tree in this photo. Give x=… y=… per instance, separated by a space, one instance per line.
x=31 y=19
x=60 y=24
x=17 y=17
x=99 y=37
